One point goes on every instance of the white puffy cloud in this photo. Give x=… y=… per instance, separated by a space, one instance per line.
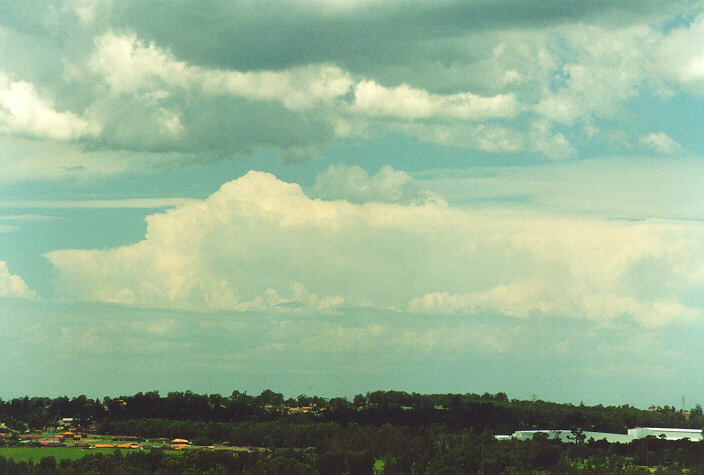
x=495 y=138
x=13 y=285
x=410 y=103
x=261 y=243
x=593 y=70
x=592 y=269
x=680 y=60
x=130 y=66
x=24 y=112
x=356 y=186
x=596 y=69
x=661 y=143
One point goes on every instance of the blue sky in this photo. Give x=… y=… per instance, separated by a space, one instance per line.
x=332 y=197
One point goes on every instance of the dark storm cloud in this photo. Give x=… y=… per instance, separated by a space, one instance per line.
x=223 y=125
x=272 y=35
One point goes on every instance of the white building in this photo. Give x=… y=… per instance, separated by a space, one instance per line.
x=694 y=435
x=564 y=435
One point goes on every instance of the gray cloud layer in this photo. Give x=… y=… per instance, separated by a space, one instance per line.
x=218 y=80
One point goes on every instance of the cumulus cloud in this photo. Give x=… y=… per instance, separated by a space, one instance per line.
x=680 y=61
x=131 y=66
x=261 y=243
x=411 y=103
x=24 y=112
x=185 y=107
x=661 y=143
x=13 y=285
x=583 y=80
x=356 y=186
x=539 y=137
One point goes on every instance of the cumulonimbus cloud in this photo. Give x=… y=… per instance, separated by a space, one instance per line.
x=261 y=244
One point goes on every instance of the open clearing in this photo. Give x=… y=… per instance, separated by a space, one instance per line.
x=35 y=454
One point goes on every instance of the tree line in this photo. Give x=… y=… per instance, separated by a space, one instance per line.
x=494 y=412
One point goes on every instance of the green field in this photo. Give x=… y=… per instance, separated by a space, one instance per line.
x=35 y=454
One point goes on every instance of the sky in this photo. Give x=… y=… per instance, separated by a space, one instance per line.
x=337 y=196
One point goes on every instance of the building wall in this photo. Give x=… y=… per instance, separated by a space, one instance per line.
x=669 y=433
x=637 y=433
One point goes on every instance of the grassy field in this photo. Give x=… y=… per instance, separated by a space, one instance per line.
x=35 y=454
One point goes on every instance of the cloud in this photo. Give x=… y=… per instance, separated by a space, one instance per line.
x=175 y=106
x=525 y=299
x=20 y=218
x=583 y=82
x=661 y=143
x=362 y=32
x=350 y=353
x=12 y=285
x=495 y=138
x=130 y=66
x=356 y=186
x=680 y=62
x=616 y=186
x=261 y=243
x=26 y=159
x=93 y=204
x=151 y=82
x=24 y=112
x=411 y=103
x=497 y=77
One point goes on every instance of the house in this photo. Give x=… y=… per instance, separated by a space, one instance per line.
x=128 y=446
x=68 y=435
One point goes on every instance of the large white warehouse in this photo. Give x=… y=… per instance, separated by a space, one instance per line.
x=564 y=435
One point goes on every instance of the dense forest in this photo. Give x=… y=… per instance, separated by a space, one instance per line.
x=495 y=412
x=382 y=432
